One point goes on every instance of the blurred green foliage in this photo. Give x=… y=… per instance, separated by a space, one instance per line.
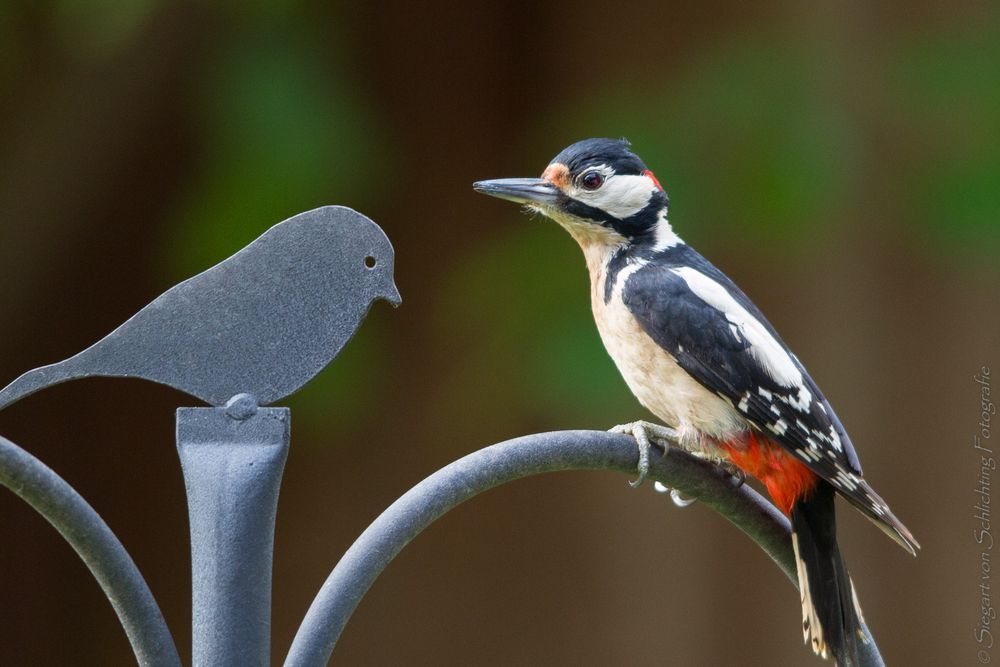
x=755 y=125
x=949 y=85
x=284 y=130
x=95 y=30
x=748 y=129
x=343 y=394
x=522 y=301
x=842 y=162
x=283 y=133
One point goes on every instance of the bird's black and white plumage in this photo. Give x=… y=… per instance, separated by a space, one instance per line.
x=701 y=356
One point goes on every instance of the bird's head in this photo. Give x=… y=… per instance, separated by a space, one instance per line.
x=377 y=266
x=599 y=190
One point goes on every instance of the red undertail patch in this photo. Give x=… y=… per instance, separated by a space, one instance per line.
x=787 y=479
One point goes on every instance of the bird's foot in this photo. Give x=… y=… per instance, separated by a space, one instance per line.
x=646 y=434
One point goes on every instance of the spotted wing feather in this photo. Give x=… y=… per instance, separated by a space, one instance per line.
x=711 y=337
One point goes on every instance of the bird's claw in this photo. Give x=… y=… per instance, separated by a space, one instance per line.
x=646 y=434
x=738 y=475
x=680 y=499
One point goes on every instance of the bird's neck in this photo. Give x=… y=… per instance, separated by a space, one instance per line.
x=597 y=242
x=611 y=258
x=607 y=251
x=662 y=236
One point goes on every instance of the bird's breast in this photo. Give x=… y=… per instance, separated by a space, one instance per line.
x=652 y=373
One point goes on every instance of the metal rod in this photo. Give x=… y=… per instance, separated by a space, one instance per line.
x=232 y=459
x=505 y=462
x=99 y=548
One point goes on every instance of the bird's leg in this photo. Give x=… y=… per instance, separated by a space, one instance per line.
x=646 y=434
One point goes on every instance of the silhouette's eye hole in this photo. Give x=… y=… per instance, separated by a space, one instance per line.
x=370 y=262
x=592 y=180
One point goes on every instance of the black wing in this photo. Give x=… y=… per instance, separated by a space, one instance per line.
x=723 y=341
x=713 y=343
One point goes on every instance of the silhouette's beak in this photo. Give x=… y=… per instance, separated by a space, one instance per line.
x=393 y=296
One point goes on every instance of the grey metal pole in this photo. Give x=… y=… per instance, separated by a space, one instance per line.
x=233 y=459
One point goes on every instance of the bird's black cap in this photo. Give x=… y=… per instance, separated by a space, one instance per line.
x=591 y=152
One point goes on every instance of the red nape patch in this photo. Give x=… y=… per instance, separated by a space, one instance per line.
x=787 y=479
x=653 y=176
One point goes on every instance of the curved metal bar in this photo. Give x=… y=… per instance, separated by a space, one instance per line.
x=505 y=462
x=93 y=540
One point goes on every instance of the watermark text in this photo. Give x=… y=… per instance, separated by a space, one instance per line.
x=983 y=530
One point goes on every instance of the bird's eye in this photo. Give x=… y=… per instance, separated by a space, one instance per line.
x=592 y=180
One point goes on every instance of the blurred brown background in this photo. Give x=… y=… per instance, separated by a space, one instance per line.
x=842 y=163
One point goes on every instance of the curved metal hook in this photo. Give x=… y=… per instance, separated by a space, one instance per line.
x=505 y=462
x=93 y=540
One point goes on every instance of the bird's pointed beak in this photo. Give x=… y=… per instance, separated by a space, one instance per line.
x=520 y=190
x=394 y=297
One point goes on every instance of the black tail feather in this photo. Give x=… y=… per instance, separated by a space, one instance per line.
x=869 y=503
x=831 y=616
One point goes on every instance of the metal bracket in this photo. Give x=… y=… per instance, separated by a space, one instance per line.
x=233 y=459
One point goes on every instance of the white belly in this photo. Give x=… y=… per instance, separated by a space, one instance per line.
x=654 y=376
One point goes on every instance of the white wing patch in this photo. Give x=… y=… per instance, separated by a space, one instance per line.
x=771 y=355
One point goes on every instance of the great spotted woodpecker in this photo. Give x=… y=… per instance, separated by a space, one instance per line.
x=698 y=353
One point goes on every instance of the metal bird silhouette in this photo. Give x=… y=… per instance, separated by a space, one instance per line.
x=264 y=321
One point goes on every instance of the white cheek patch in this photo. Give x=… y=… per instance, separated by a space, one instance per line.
x=622 y=195
x=763 y=346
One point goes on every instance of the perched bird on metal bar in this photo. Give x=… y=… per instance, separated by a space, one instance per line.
x=262 y=322
x=698 y=353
